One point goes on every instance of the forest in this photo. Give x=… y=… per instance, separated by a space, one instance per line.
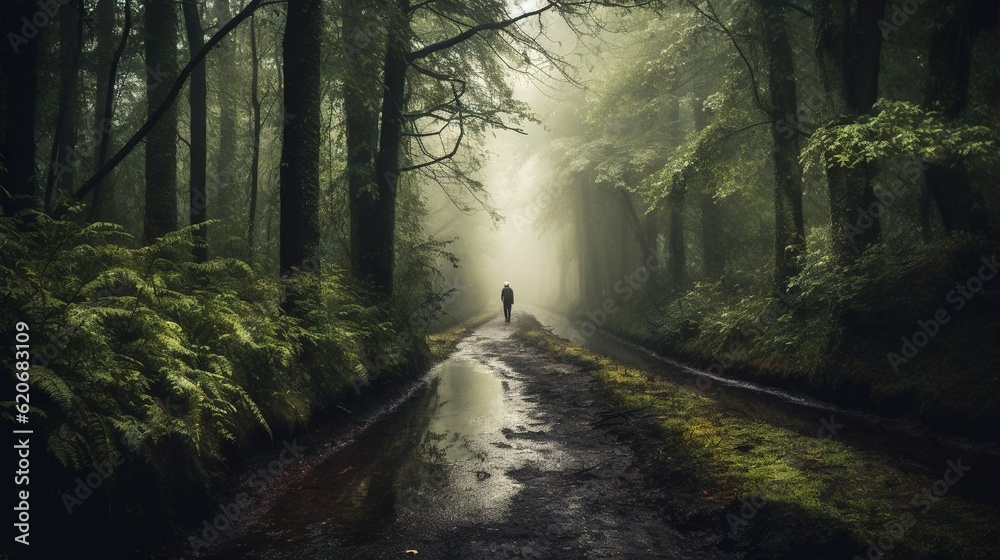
x=251 y=251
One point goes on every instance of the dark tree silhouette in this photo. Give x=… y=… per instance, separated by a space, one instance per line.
x=255 y=139
x=199 y=131
x=712 y=242
x=789 y=227
x=108 y=58
x=62 y=158
x=19 y=57
x=848 y=51
x=361 y=132
x=161 y=144
x=676 y=198
x=300 y=144
x=957 y=26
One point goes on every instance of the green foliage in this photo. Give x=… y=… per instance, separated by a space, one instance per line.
x=898 y=128
x=420 y=288
x=866 y=306
x=638 y=136
x=826 y=485
x=175 y=364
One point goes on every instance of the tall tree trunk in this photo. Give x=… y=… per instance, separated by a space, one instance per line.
x=226 y=167
x=924 y=207
x=563 y=294
x=108 y=58
x=677 y=262
x=161 y=143
x=105 y=16
x=586 y=245
x=713 y=255
x=633 y=223
x=678 y=254
x=789 y=230
x=626 y=243
x=299 y=189
x=199 y=132
x=651 y=230
x=361 y=128
x=957 y=24
x=608 y=263
x=63 y=159
x=19 y=60
x=378 y=220
x=712 y=242
x=849 y=48
x=156 y=115
x=227 y=170
x=255 y=148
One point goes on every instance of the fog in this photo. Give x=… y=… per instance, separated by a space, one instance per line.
x=533 y=245
x=518 y=248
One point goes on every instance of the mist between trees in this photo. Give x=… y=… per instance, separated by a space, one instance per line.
x=253 y=210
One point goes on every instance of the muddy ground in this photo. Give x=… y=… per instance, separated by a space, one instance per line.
x=543 y=472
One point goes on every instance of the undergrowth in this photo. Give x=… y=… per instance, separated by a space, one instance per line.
x=777 y=488
x=177 y=368
x=847 y=332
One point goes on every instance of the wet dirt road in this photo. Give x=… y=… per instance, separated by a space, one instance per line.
x=497 y=456
x=502 y=453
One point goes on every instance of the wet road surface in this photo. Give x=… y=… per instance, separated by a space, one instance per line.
x=496 y=455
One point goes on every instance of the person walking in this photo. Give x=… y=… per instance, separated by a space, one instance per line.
x=507 y=297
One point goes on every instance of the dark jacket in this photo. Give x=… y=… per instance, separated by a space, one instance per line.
x=507 y=295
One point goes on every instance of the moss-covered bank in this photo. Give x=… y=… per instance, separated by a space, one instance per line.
x=904 y=335
x=774 y=490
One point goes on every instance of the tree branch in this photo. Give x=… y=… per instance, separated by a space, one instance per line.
x=417 y=6
x=432 y=74
x=428 y=134
x=175 y=90
x=473 y=31
x=739 y=130
x=739 y=50
x=797 y=8
x=458 y=141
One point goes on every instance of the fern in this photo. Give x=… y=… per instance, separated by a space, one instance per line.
x=175 y=364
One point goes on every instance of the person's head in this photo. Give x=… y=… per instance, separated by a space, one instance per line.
x=506 y=284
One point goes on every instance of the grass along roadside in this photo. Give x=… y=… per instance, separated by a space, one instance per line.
x=775 y=491
x=443 y=342
x=924 y=351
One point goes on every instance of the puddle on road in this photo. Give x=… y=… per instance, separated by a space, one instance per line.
x=471 y=402
x=438 y=460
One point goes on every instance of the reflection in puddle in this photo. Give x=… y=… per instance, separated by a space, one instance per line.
x=471 y=403
x=438 y=451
